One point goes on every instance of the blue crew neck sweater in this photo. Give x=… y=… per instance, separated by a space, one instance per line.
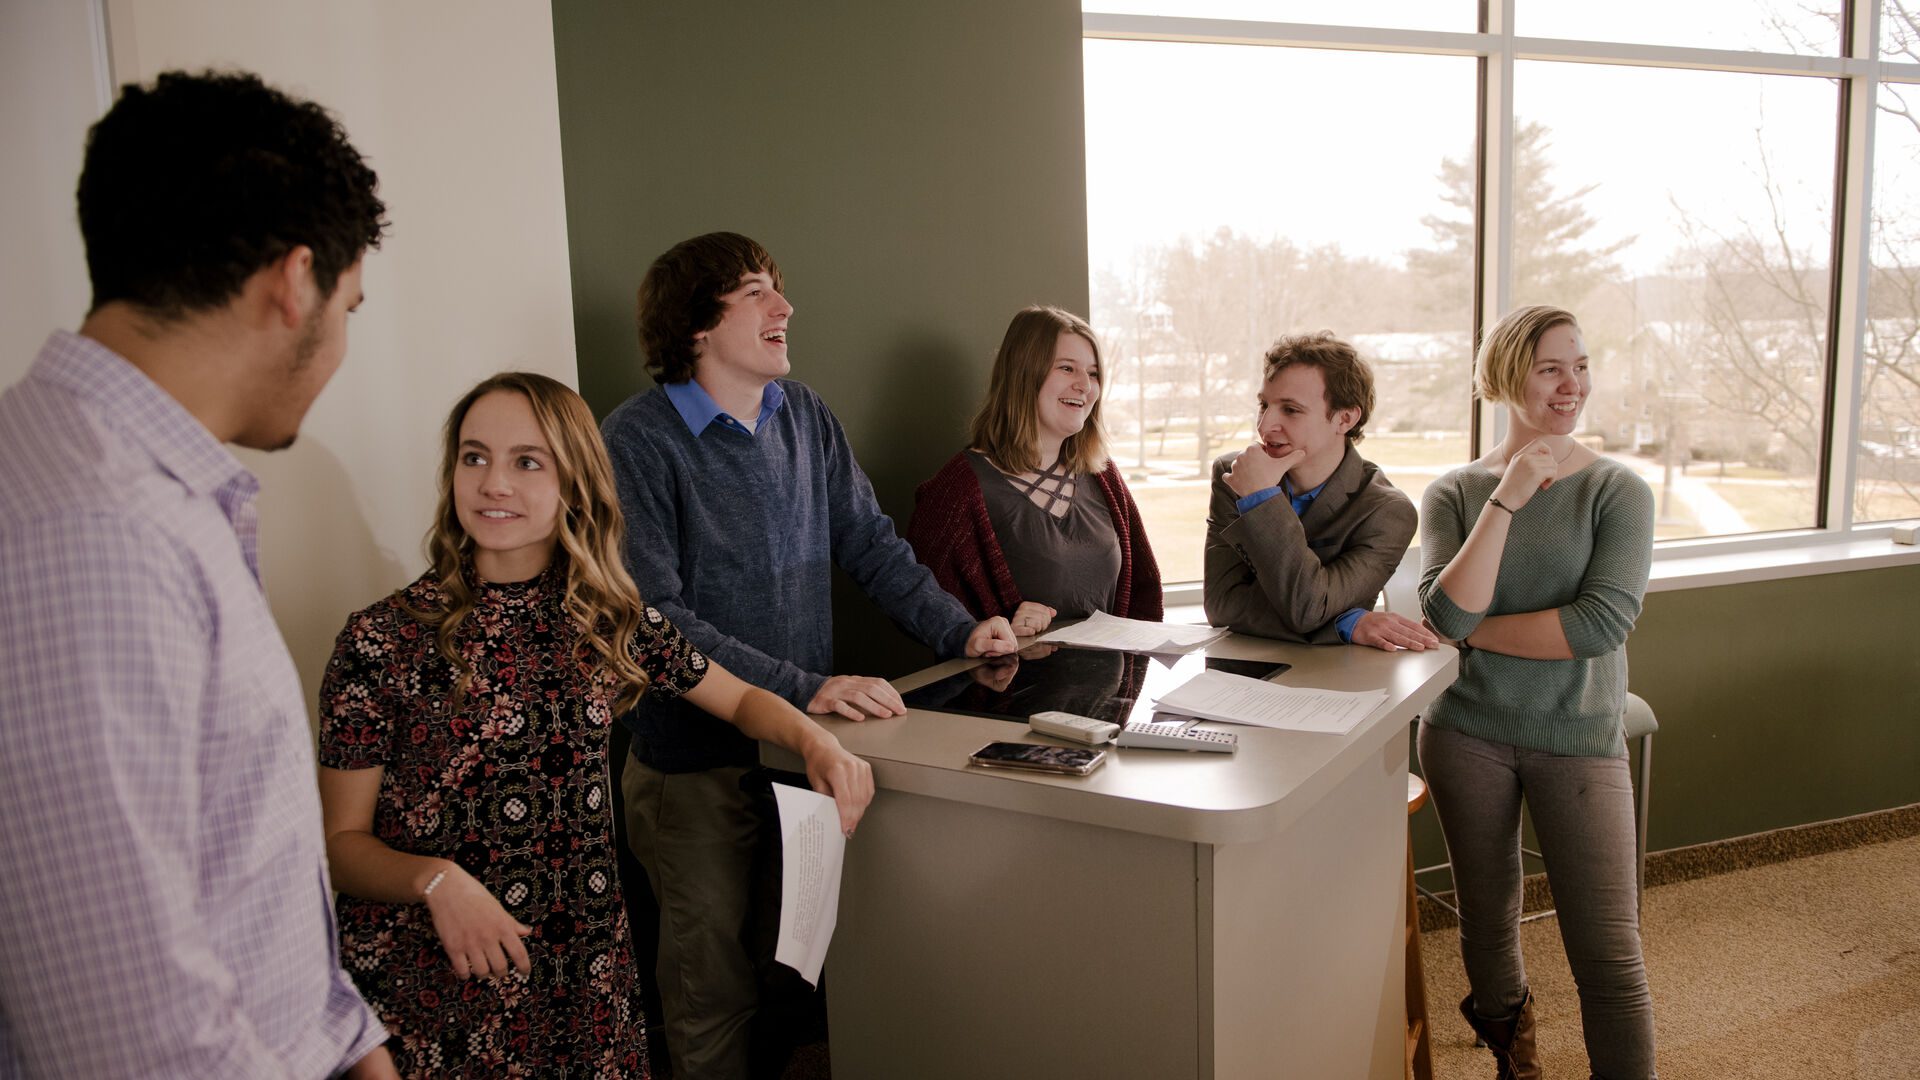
x=733 y=536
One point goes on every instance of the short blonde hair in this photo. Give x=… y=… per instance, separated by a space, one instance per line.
x=1007 y=427
x=1506 y=354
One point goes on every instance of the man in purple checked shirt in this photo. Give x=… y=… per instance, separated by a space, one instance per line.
x=164 y=905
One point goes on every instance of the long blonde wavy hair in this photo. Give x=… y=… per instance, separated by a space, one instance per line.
x=600 y=596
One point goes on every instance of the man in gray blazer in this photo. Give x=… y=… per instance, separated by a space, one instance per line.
x=1303 y=532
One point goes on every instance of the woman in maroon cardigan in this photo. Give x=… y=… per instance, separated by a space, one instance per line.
x=1032 y=521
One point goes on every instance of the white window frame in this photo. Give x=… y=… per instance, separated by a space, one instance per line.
x=1840 y=544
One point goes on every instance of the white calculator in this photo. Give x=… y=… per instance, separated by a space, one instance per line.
x=1080 y=729
x=1176 y=733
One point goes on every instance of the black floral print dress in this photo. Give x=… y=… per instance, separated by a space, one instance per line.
x=514 y=787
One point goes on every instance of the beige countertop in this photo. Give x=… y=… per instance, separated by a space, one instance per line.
x=1274 y=778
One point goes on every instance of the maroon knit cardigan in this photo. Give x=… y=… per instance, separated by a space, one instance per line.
x=953 y=537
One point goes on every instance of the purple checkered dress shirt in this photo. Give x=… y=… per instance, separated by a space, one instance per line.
x=164 y=906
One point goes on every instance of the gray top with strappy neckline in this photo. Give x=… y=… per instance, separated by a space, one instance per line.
x=1070 y=563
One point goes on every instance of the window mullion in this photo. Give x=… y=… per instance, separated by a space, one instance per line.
x=1853 y=269
x=1495 y=217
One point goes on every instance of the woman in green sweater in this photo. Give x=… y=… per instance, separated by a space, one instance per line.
x=1534 y=561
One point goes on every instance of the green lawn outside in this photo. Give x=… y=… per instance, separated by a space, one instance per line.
x=1680 y=524
x=1709 y=470
x=1176 y=519
x=1768 y=507
x=1880 y=500
x=1175 y=513
x=1412 y=450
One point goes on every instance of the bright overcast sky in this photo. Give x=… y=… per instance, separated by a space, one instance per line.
x=1327 y=147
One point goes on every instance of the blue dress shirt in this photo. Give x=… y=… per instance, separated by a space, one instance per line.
x=698 y=408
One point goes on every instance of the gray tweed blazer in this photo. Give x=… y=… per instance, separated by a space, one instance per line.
x=1278 y=575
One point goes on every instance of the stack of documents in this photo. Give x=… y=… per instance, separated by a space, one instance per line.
x=1236 y=699
x=1103 y=631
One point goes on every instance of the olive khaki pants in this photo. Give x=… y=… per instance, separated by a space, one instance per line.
x=710 y=845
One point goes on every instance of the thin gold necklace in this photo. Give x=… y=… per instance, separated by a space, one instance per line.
x=1572 y=445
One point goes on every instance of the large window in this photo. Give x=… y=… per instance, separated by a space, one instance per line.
x=1701 y=281
x=1214 y=229
x=1760 y=25
x=1685 y=177
x=1887 y=465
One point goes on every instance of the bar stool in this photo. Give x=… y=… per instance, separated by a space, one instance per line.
x=1639 y=723
x=1419 y=1046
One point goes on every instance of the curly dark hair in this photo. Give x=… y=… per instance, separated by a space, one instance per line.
x=1349 y=379
x=680 y=296
x=193 y=184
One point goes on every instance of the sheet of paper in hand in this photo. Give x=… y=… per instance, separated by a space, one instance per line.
x=812 y=851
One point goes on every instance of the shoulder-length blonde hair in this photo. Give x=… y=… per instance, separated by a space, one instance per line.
x=1007 y=426
x=1506 y=356
x=599 y=595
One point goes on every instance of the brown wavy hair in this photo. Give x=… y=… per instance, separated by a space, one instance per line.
x=681 y=296
x=1349 y=379
x=599 y=595
x=1007 y=427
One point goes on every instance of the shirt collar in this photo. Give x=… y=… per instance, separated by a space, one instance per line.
x=1301 y=498
x=145 y=414
x=698 y=408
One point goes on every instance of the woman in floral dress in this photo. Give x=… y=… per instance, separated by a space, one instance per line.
x=463 y=745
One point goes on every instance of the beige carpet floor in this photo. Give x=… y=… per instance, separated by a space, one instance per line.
x=1799 y=970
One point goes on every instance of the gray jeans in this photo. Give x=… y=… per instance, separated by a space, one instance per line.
x=1582 y=810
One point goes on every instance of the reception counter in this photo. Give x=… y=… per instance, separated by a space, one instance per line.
x=1170 y=915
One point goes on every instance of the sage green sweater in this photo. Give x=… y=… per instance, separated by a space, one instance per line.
x=1582 y=546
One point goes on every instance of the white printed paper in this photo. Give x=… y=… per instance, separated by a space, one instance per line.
x=1103 y=631
x=1236 y=699
x=812 y=849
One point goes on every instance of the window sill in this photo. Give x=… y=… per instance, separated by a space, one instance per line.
x=1700 y=565
x=1675 y=569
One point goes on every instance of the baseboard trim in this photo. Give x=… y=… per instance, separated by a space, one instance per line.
x=1736 y=853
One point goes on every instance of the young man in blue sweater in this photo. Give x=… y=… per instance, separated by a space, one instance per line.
x=740 y=494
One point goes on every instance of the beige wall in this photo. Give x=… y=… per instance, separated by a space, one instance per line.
x=457 y=112
x=50 y=91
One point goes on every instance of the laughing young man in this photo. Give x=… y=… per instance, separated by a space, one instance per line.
x=741 y=494
x=1303 y=532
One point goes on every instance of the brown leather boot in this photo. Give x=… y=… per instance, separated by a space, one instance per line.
x=1511 y=1040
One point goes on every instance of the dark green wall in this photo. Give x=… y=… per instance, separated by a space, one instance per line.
x=918 y=169
x=1781 y=702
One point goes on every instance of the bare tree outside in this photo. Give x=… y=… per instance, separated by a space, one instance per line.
x=1684 y=215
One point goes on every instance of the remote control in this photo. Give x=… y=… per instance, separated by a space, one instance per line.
x=1177 y=734
x=1080 y=729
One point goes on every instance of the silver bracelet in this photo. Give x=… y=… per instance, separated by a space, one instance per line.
x=428 y=891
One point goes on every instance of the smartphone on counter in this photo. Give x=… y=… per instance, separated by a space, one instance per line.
x=1070 y=760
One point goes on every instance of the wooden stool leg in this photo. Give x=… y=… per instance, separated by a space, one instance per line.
x=1419 y=1047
